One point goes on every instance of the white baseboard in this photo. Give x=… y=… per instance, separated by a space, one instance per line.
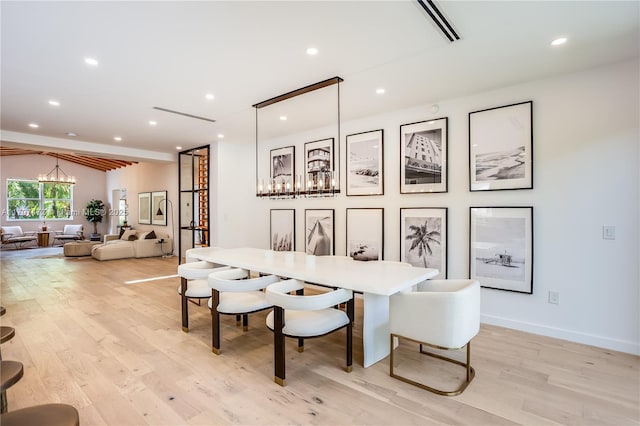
x=560 y=333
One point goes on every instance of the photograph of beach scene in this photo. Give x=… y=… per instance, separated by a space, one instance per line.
x=364 y=167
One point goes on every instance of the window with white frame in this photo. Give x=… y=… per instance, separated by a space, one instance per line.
x=32 y=200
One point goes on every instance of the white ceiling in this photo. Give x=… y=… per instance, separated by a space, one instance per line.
x=169 y=54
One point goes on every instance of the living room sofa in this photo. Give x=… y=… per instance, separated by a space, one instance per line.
x=133 y=243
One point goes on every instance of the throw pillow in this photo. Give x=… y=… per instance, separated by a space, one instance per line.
x=125 y=236
x=133 y=237
x=151 y=236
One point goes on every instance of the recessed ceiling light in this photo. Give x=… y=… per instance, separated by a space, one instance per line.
x=153 y=123
x=33 y=125
x=283 y=117
x=380 y=91
x=54 y=103
x=91 y=61
x=220 y=136
x=72 y=134
x=209 y=96
x=117 y=138
x=559 y=41
x=312 y=51
x=178 y=148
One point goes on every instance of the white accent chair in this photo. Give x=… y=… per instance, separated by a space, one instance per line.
x=14 y=235
x=233 y=295
x=194 y=285
x=69 y=233
x=444 y=314
x=304 y=317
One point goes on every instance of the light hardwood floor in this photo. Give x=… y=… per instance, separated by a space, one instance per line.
x=117 y=353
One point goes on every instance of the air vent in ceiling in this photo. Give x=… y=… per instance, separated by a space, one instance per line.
x=185 y=114
x=438 y=18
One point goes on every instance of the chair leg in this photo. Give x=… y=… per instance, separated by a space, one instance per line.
x=185 y=306
x=350 y=309
x=238 y=320
x=245 y=322
x=215 y=322
x=278 y=346
x=300 y=344
x=470 y=372
x=3 y=402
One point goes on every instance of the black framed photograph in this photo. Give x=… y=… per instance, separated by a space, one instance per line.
x=501 y=247
x=318 y=165
x=159 y=208
x=283 y=230
x=365 y=233
x=283 y=168
x=144 y=208
x=423 y=238
x=501 y=148
x=319 y=232
x=423 y=156
x=365 y=163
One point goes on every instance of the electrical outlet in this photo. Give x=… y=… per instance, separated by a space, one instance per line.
x=608 y=232
x=554 y=297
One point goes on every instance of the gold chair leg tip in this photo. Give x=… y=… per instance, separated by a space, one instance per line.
x=279 y=381
x=185 y=329
x=215 y=351
x=238 y=323
x=300 y=349
x=349 y=368
x=245 y=328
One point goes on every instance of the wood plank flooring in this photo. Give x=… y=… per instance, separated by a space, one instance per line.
x=117 y=353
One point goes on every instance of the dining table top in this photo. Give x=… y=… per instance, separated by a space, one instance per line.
x=376 y=277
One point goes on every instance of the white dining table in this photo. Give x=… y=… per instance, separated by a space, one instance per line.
x=375 y=280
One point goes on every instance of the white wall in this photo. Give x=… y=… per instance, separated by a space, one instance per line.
x=586 y=164
x=90 y=185
x=147 y=177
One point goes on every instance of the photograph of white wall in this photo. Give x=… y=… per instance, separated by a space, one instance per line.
x=501 y=247
x=500 y=148
x=365 y=161
x=423 y=238
x=365 y=233
x=283 y=229
x=424 y=156
x=319 y=232
x=283 y=166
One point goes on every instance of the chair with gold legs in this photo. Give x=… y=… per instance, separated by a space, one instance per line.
x=444 y=314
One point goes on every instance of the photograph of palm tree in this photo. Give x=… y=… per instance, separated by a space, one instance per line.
x=424 y=238
x=319 y=232
x=283 y=166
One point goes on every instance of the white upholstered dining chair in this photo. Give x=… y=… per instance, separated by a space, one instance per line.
x=194 y=284
x=304 y=317
x=444 y=314
x=231 y=294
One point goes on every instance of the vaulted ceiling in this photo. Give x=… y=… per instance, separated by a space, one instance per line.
x=171 y=54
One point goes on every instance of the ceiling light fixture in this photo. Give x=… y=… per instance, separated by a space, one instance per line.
x=54 y=103
x=220 y=136
x=153 y=123
x=57 y=175
x=559 y=41
x=312 y=51
x=380 y=91
x=178 y=148
x=91 y=61
x=209 y=96
x=33 y=125
x=72 y=134
x=117 y=138
x=283 y=117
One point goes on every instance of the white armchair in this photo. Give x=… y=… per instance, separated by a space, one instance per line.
x=16 y=236
x=444 y=314
x=69 y=233
x=304 y=317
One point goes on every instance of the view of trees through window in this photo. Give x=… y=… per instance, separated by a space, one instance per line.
x=32 y=200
